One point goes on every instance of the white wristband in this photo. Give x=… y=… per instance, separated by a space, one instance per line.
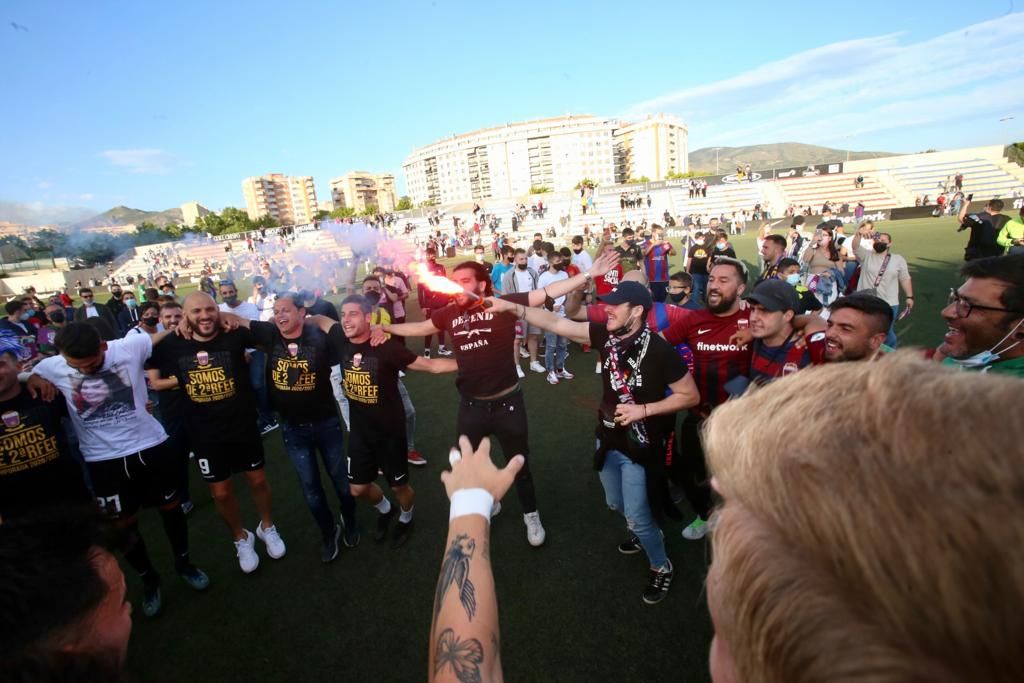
x=471 y=502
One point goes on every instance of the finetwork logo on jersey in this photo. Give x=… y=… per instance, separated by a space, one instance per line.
x=704 y=346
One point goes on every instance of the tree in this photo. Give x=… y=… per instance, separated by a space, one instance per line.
x=322 y=214
x=586 y=182
x=540 y=189
x=343 y=212
x=427 y=204
x=404 y=203
x=15 y=241
x=51 y=239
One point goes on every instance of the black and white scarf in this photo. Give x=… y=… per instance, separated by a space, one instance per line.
x=622 y=372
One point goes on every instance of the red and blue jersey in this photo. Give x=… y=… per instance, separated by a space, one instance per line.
x=656 y=263
x=771 y=362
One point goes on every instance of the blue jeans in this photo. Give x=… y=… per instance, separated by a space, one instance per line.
x=700 y=285
x=258 y=377
x=625 y=491
x=554 y=351
x=302 y=441
x=890 y=338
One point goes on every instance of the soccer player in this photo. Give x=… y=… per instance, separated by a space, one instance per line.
x=220 y=419
x=656 y=253
x=645 y=383
x=491 y=399
x=377 y=441
x=129 y=463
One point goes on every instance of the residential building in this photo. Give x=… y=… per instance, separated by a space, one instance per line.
x=555 y=153
x=192 y=212
x=289 y=199
x=652 y=148
x=360 y=190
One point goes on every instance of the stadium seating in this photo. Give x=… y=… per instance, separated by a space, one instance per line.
x=837 y=188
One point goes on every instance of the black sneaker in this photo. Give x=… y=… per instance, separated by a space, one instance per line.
x=383 y=520
x=658 y=583
x=402 y=532
x=195 y=577
x=152 y=598
x=631 y=547
x=329 y=546
x=349 y=534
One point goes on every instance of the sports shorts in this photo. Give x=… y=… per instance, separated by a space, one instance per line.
x=384 y=450
x=217 y=461
x=145 y=479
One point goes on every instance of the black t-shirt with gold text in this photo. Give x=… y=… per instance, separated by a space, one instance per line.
x=36 y=469
x=219 y=402
x=299 y=370
x=369 y=375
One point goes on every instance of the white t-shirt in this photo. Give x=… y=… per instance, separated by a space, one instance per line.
x=264 y=305
x=108 y=408
x=536 y=262
x=546 y=278
x=582 y=260
x=91 y=312
x=524 y=281
x=245 y=310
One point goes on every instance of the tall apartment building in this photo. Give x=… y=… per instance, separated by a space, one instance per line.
x=289 y=199
x=653 y=147
x=192 y=212
x=359 y=190
x=556 y=153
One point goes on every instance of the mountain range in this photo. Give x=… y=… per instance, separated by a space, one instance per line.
x=123 y=215
x=776 y=155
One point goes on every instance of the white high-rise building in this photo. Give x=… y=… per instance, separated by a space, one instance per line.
x=652 y=148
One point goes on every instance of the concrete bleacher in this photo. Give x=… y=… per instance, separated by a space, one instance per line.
x=837 y=188
x=722 y=200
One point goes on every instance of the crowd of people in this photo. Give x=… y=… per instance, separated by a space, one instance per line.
x=109 y=405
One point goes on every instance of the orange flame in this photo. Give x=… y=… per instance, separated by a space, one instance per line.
x=435 y=283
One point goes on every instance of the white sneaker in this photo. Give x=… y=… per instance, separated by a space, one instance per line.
x=565 y=374
x=272 y=539
x=443 y=351
x=552 y=377
x=534 y=529
x=495 y=509
x=537 y=367
x=245 y=549
x=523 y=353
x=696 y=530
x=597 y=369
x=519 y=371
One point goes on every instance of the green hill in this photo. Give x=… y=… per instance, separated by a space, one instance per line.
x=777 y=155
x=123 y=215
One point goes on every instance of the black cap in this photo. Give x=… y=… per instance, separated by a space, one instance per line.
x=632 y=293
x=775 y=295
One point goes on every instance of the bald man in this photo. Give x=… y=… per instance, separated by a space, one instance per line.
x=220 y=419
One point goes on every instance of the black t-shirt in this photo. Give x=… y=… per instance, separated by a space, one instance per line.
x=323 y=307
x=483 y=346
x=219 y=402
x=299 y=370
x=699 y=255
x=660 y=367
x=369 y=376
x=36 y=469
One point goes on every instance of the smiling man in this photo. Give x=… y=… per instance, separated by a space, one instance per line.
x=773 y=306
x=985 y=317
x=856 y=328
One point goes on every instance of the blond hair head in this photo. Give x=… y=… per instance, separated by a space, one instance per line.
x=873 y=525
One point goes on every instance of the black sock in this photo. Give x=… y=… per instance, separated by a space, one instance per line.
x=176 y=529
x=134 y=549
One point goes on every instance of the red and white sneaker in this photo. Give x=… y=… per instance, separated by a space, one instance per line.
x=565 y=374
x=414 y=458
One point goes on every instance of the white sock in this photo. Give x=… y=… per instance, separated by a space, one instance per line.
x=384 y=506
x=405 y=516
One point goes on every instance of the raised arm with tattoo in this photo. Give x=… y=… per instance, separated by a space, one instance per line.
x=602 y=264
x=546 y=320
x=464 y=643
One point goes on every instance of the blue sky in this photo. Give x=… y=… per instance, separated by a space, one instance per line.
x=154 y=104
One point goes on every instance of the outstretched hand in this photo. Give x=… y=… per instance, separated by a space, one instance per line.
x=604 y=263
x=475 y=470
x=377 y=335
x=499 y=305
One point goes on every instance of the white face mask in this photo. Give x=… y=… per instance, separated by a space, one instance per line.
x=479 y=258
x=986 y=358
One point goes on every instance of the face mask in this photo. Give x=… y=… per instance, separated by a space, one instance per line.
x=57 y=317
x=985 y=358
x=231 y=300
x=26 y=315
x=720 y=246
x=793 y=279
x=116 y=295
x=677 y=298
x=576 y=251
x=150 y=322
x=521 y=266
x=479 y=258
x=130 y=303
x=560 y=266
x=880 y=247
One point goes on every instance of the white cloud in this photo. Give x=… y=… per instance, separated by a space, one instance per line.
x=150 y=161
x=859 y=87
x=37 y=213
x=86 y=196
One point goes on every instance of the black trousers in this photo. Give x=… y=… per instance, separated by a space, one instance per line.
x=505 y=420
x=689 y=470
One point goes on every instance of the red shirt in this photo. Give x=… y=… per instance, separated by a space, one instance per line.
x=610 y=280
x=715 y=360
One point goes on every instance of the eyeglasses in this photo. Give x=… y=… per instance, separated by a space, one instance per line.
x=964 y=307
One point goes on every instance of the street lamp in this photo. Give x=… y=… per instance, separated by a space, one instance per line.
x=716 y=159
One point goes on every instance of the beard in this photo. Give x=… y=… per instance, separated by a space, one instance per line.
x=723 y=305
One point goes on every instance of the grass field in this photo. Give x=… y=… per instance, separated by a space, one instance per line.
x=570 y=610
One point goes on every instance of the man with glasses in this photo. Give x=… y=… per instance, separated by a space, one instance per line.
x=91 y=309
x=985 y=317
x=883 y=273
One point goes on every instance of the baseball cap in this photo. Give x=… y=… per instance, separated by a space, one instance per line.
x=629 y=292
x=775 y=295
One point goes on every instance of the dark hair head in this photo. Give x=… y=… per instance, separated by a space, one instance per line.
x=49 y=581
x=169 y=304
x=298 y=299
x=478 y=247
x=788 y=263
x=364 y=304
x=577 y=239
x=78 y=340
x=870 y=305
x=371 y=278
x=682 y=278
x=741 y=269
x=566 y=252
x=538 y=245
x=14 y=305
x=149 y=305
x=85 y=290
x=480 y=273
x=150 y=293
x=777 y=239
x=507 y=250
x=1007 y=269
x=519 y=251
x=626 y=232
x=996 y=205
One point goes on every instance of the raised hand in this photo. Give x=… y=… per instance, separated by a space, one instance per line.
x=475 y=470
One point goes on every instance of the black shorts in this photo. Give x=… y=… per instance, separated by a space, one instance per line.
x=218 y=461
x=385 y=450
x=145 y=479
